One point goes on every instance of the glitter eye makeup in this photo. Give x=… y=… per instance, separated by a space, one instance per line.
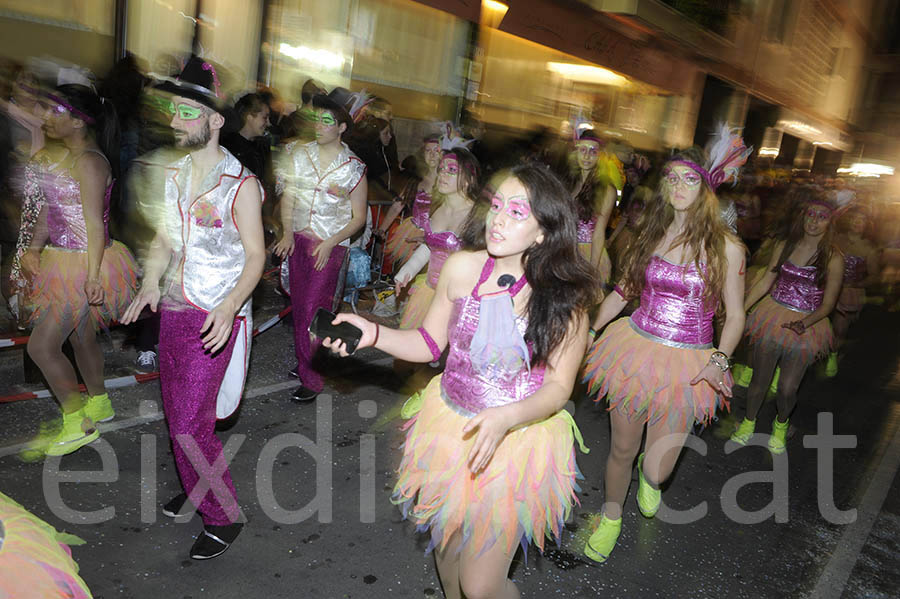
x=496 y=204
x=518 y=209
x=327 y=119
x=691 y=179
x=450 y=167
x=818 y=214
x=588 y=149
x=189 y=113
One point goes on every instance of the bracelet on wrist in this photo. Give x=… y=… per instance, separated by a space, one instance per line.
x=377 y=331
x=721 y=360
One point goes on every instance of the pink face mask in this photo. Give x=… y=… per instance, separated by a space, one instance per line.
x=517 y=207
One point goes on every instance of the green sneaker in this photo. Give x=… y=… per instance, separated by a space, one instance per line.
x=36 y=448
x=777 y=440
x=603 y=540
x=744 y=431
x=99 y=409
x=773 y=386
x=77 y=431
x=647 y=497
x=742 y=375
x=831 y=366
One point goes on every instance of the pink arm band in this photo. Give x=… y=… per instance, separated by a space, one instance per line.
x=435 y=350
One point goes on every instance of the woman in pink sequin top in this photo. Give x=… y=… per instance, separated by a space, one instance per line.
x=658 y=368
x=81 y=279
x=789 y=326
x=457 y=187
x=862 y=268
x=489 y=459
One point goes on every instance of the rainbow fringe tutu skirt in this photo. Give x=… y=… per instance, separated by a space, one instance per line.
x=763 y=329
x=646 y=379
x=524 y=495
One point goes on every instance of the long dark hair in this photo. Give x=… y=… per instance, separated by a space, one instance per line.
x=562 y=282
x=705 y=233
x=105 y=127
x=826 y=247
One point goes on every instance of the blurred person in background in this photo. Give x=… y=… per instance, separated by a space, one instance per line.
x=861 y=270
x=659 y=369
x=413 y=204
x=305 y=115
x=250 y=145
x=595 y=177
x=789 y=327
x=322 y=207
x=81 y=280
x=209 y=247
x=458 y=186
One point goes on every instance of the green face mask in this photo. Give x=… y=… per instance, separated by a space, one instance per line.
x=185 y=112
x=326 y=118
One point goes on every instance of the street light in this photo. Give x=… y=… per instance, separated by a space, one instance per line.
x=492 y=13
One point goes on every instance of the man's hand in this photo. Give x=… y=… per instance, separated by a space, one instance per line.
x=285 y=246
x=148 y=295
x=322 y=253
x=217 y=327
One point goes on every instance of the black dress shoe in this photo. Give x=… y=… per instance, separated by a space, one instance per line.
x=215 y=540
x=174 y=507
x=304 y=394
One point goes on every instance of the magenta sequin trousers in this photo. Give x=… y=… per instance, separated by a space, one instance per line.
x=190 y=379
x=311 y=289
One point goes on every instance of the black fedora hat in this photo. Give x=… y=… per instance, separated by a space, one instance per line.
x=339 y=102
x=197 y=81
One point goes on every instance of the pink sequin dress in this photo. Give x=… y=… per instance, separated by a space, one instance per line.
x=58 y=289
x=421 y=292
x=853 y=295
x=398 y=248
x=586 y=230
x=644 y=363
x=793 y=296
x=526 y=492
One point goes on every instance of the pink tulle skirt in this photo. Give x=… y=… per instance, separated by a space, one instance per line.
x=642 y=378
x=58 y=290
x=398 y=248
x=420 y=296
x=524 y=495
x=764 y=329
x=34 y=558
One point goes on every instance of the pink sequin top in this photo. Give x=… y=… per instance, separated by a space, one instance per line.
x=420 y=208
x=65 y=216
x=672 y=310
x=441 y=246
x=855 y=270
x=795 y=288
x=465 y=389
x=586 y=229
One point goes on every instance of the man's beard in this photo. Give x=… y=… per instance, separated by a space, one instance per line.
x=196 y=140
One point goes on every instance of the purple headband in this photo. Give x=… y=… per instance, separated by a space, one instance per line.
x=81 y=115
x=823 y=203
x=695 y=167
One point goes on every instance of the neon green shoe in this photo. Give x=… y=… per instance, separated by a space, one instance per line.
x=831 y=366
x=647 y=497
x=777 y=440
x=744 y=431
x=99 y=409
x=773 y=386
x=77 y=431
x=36 y=448
x=603 y=539
x=742 y=375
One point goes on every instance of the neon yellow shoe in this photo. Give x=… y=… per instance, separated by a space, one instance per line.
x=603 y=539
x=744 y=431
x=648 y=498
x=831 y=366
x=36 y=448
x=742 y=375
x=773 y=386
x=77 y=431
x=777 y=440
x=99 y=409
